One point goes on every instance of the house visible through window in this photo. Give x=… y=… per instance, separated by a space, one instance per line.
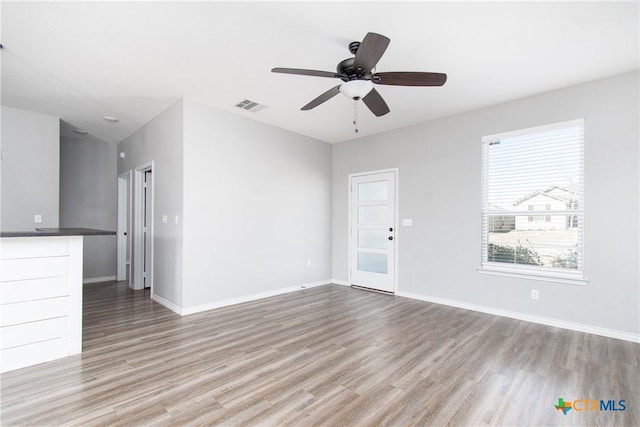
x=532 y=201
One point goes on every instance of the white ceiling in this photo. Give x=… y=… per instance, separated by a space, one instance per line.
x=82 y=60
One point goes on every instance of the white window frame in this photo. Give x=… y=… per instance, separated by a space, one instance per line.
x=547 y=274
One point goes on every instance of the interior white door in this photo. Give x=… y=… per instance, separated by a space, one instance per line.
x=123 y=228
x=372 y=229
x=147 y=228
x=141 y=259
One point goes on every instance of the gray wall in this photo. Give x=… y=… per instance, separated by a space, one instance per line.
x=161 y=141
x=30 y=169
x=88 y=198
x=257 y=203
x=439 y=188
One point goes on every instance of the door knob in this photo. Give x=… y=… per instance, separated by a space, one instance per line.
x=390 y=228
x=390 y=237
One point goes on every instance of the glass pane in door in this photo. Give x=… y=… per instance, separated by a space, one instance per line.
x=374 y=263
x=373 y=239
x=372 y=215
x=376 y=190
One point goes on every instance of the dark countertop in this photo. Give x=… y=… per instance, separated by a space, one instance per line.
x=40 y=232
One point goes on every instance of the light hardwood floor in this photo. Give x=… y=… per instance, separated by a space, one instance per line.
x=330 y=355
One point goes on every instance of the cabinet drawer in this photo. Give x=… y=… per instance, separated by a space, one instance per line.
x=34 y=247
x=32 y=311
x=33 y=332
x=33 y=268
x=29 y=290
x=26 y=355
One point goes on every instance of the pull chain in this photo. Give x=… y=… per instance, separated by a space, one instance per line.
x=355 y=115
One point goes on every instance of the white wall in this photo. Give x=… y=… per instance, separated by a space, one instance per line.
x=439 y=188
x=30 y=169
x=161 y=141
x=88 y=198
x=257 y=204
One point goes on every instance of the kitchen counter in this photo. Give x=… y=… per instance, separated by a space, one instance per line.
x=39 y=232
x=41 y=295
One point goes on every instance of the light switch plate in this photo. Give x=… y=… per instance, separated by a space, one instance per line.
x=407 y=222
x=165 y=219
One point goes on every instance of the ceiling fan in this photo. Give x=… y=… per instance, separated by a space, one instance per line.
x=359 y=75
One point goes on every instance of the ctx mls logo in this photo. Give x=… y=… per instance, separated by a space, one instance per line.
x=563 y=406
x=590 y=405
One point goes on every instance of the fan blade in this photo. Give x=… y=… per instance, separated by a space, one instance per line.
x=313 y=73
x=370 y=51
x=322 y=98
x=376 y=104
x=409 y=78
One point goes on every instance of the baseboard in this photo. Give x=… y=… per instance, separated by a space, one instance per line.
x=217 y=304
x=579 y=327
x=171 y=306
x=98 y=279
x=340 y=282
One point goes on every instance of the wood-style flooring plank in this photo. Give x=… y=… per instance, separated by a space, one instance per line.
x=325 y=356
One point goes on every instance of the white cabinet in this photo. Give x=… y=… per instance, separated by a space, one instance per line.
x=40 y=299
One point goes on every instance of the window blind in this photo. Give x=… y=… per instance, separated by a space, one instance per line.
x=532 y=200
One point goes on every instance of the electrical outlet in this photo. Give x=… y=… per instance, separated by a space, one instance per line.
x=535 y=294
x=37 y=219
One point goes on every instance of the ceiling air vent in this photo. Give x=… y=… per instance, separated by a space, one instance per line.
x=250 y=105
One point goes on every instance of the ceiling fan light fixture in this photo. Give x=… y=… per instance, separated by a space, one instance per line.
x=356 y=89
x=360 y=74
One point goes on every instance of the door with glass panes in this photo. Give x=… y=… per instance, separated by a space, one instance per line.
x=372 y=230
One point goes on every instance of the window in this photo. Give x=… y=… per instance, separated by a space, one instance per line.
x=532 y=180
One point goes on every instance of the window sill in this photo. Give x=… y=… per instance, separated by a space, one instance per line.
x=566 y=279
